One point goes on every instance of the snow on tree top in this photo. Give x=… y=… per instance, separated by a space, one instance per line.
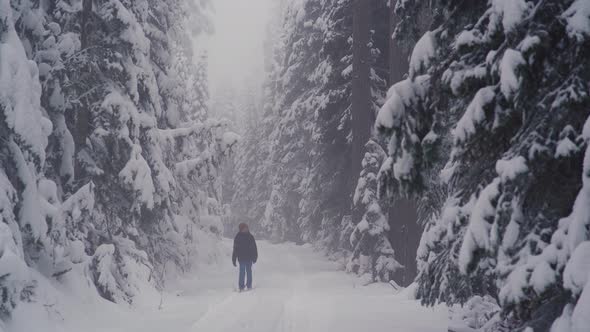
x=508 y=12
x=478 y=231
x=423 y=52
x=402 y=94
x=474 y=115
x=577 y=17
x=577 y=272
x=138 y=174
x=468 y=38
x=509 y=80
x=509 y=169
x=392 y=111
x=20 y=94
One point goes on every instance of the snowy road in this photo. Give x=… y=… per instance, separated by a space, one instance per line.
x=296 y=290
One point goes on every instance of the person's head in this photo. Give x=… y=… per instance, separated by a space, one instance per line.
x=243 y=228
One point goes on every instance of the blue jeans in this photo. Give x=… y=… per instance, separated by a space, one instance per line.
x=245 y=269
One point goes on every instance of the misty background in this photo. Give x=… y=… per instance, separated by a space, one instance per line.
x=438 y=146
x=235 y=48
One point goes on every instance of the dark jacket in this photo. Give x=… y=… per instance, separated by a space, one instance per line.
x=245 y=249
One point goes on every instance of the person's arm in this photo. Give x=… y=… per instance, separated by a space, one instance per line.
x=234 y=254
x=255 y=250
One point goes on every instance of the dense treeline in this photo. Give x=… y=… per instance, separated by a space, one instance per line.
x=491 y=128
x=485 y=131
x=297 y=175
x=109 y=166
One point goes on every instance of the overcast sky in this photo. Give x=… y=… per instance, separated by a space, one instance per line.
x=235 y=49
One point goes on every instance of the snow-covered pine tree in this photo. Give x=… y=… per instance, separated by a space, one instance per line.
x=372 y=253
x=327 y=177
x=290 y=139
x=200 y=86
x=119 y=112
x=373 y=258
x=24 y=135
x=253 y=172
x=226 y=102
x=249 y=182
x=496 y=103
x=35 y=222
x=309 y=124
x=191 y=97
x=88 y=188
x=325 y=210
x=196 y=146
x=293 y=204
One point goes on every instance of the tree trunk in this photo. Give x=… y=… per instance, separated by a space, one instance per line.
x=404 y=235
x=398 y=57
x=404 y=232
x=361 y=88
x=86 y=27
x=82 y=113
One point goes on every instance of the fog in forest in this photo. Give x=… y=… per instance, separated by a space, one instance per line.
x=294 y=165
x=235 y=48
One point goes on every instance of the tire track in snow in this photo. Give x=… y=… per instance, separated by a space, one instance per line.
x=294 y=317
x=212 y=313
x=268 y=308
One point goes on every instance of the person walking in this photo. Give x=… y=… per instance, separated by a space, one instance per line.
x=246 y=253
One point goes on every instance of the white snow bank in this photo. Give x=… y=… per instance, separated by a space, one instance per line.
x=408 y=293
x=473 y=315
x=295 y=287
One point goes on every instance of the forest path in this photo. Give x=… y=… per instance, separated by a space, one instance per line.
x=295 y=290
x=298 y=290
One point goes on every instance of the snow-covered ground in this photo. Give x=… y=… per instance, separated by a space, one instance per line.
x=296 y=289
